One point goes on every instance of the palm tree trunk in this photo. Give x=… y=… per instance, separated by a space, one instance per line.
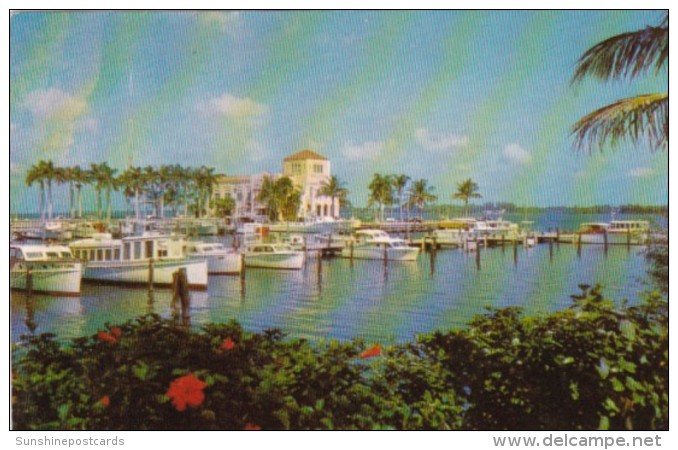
x=98 y=203
x=71 y=193
x=162 y=206
x=79 y=202
x=42 y=201
x=49 y=199
x=137 y=212
x=108 y=204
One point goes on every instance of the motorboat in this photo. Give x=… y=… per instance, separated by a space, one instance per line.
x=273 y=256
x=129 y=260
x=377 y=244
x=592 y=233
x=632 y=232
x=220 y=260
x=52 y=269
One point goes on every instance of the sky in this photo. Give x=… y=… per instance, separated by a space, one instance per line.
x=440 y=95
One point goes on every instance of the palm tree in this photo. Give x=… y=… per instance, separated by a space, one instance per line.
x=381 y=192
x=399 y=185
x=67 y=176
x=466 y=190
x=104 y=178
x=132 y=182
x=49 y=172
x=79 y=178
x=420 y=195
x=646 y=116
x=36 y=175
x=334 y=188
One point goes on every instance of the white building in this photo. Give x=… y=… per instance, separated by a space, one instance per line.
x=308 y=171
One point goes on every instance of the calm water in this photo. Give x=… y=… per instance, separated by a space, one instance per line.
x=364 y=300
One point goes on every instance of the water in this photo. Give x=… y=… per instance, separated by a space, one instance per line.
x=368 y=300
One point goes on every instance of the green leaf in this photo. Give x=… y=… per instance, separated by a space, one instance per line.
x=604 y=423
x=617 y=385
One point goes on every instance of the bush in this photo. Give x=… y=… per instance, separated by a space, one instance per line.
x=591 y=366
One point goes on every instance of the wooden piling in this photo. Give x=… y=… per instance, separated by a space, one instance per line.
x=515 y=252
x=551 y=250
x=578 y=245
x=29 y=280
x=319 y=263
x=605 y=241
x=150 y=275
x=350 y=251
x=385 y=255
x=558 y=237
x=503 y=242
x=628 y=239
x=242 y=266
x=477 y=255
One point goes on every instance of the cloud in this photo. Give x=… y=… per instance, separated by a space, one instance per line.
x=237 y=108
x=640 y=172
x=439 y=142
x=517 y=154
x=255 y=151
x=229 y=22
x=54 y=103
x=361 y=152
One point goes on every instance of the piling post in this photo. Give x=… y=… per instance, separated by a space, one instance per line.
x=551 y=250
x=628 y=239
x=385 y=255
x=320 y=262
x=515 y=252
x=29 y=280
x=150 y=275
x=184 y=295
x=503 y=242
x=350 y=251
x=558 y=237
x=578 y=245
x=242 y=266
x=423 y=243
x=605 y=241
x=477 y=255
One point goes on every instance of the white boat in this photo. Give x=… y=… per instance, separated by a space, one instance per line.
x=273 y=256
x=84 y=230
x=451 y=236
x=57 y=230
x=371 y=244
x=220 y=261
x=632 y=232
x=53 y=269
x=206 y=228
x=127 y=260
x=592 y=233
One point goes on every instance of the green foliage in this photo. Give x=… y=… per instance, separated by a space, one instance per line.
x=594 y=365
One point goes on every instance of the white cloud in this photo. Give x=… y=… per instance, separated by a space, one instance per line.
x=54 y=103
x=517 y=154
x=238 y=108
x=640 y=172
x=365 y=151
x=439 y=142
x=229 y=21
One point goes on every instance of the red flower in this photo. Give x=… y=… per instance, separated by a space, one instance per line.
x=186 y=391
x=115 y=331
x=107 y=337
x=371 y=352
x=105 y=401
x=227 y=345
x=251 y=427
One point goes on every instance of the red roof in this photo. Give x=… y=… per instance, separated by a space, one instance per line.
x=304 y=155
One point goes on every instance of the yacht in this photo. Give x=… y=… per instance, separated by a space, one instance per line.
x=370 y=244
x=592 y=232
x=273 y=256
x=633 y=232
x=53 y=269
x=220 y=261
x=127 y=260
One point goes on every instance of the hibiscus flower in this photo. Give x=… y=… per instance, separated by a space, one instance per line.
x=186 y=391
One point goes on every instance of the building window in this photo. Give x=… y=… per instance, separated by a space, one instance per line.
x=317 y=168
x=296 y=168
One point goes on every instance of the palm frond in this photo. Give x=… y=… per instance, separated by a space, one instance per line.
x=625 y=55
x=635 y=118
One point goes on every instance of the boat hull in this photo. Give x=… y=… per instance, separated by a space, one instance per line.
x=63 y=281
x=137 y=272
x=373 y=252
x=614 y=238
x=288 y=261
x=224 y=264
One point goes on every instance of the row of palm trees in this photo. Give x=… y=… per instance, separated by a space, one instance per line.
x=167 y=185
x=402 y=191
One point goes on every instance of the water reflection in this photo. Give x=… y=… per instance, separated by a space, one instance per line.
x=336 y=298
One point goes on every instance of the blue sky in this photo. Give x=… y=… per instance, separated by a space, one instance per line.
x=436 y=95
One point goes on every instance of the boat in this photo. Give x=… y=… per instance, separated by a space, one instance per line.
x=451 y=236
x=206 y=228
x=52 y=267
x=57 y=230
x=128 y=260
x=592 y=232
x=631 y=232
x=273 y=256
x=220 y=261
x=377 y=244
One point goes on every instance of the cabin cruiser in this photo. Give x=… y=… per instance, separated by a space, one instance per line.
x=632 y=232
x=128 y=260
x=370 y=244
x=220 y=261
x=592 y=232
x=272 y=256
x=53 y=269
